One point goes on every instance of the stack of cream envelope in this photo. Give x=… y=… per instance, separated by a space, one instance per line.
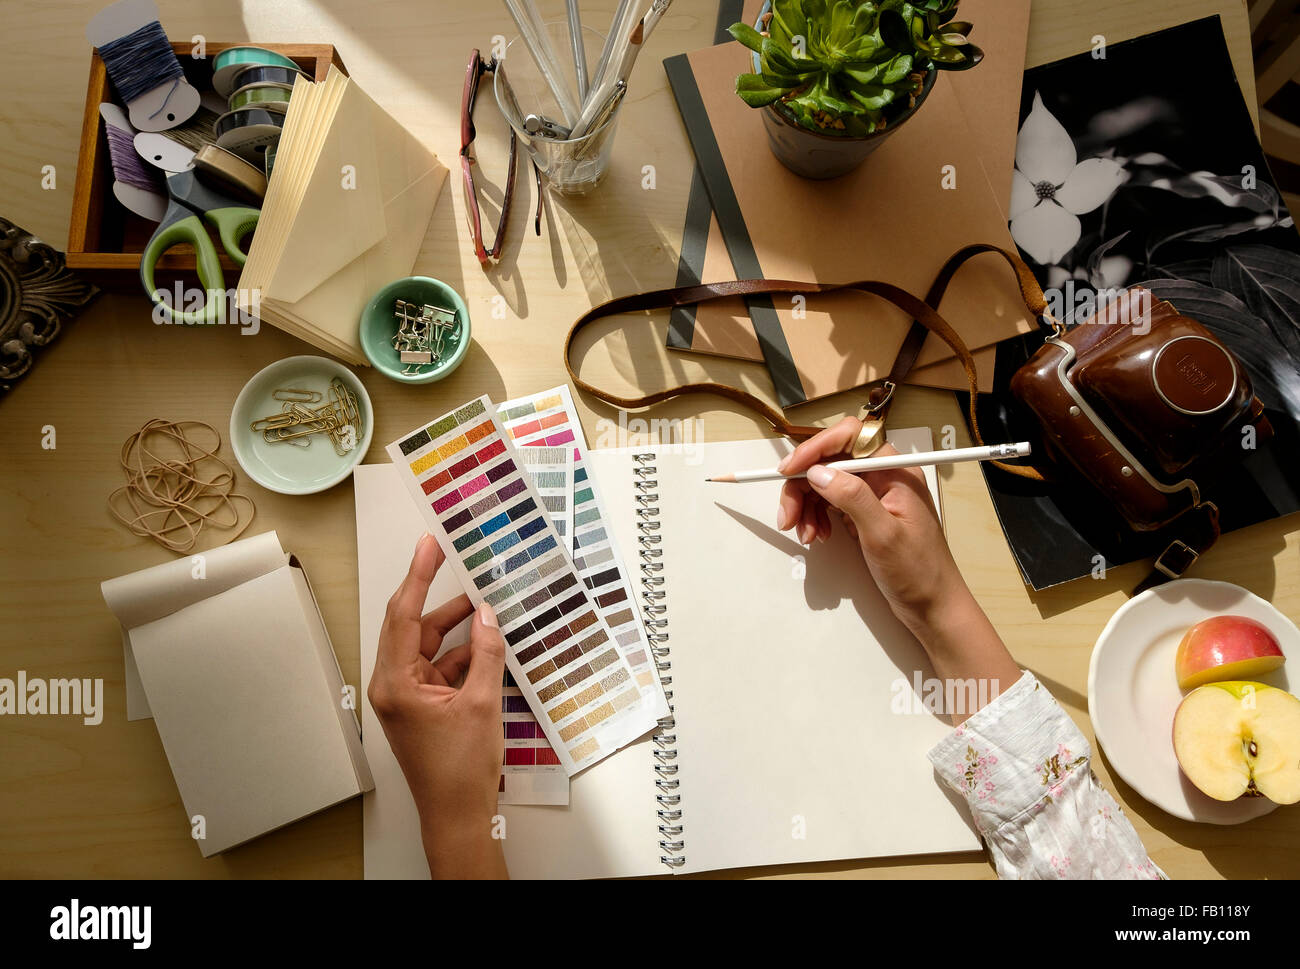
x=346 y=210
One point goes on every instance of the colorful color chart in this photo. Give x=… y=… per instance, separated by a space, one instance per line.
x=549 y=419
x=551 y=469
x=531 y=772
x=467 y=478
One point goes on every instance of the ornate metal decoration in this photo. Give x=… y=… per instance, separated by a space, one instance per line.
x=37 y=292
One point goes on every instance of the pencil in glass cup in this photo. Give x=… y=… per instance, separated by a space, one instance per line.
x=987 y=452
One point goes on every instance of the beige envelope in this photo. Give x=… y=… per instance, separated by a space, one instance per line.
x=355 y=204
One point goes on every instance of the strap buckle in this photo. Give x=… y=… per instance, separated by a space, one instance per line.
x=1176 y=559
x=873 y=407
x=1058 y=328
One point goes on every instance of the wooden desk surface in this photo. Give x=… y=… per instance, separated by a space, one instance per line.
x=100 y=801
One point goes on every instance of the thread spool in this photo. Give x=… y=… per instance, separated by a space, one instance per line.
x=156 y=149
x=136 y=185
x=198 y=131
x=248 y=132
x=142 y=65
x=256 y=95
x=227 y=64
x=262 y=74
x=173 y=151
x=231 y=174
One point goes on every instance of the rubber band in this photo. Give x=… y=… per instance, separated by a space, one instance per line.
x=168 y=498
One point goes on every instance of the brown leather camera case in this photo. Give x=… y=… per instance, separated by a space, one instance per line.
x=1142 y=402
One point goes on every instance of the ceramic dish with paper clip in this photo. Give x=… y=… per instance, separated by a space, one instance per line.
x=382 y=324
x=294 y=432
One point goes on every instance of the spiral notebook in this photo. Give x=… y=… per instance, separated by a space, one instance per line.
x=785 y=669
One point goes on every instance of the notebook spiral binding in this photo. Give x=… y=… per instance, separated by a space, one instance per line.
x=654 y=612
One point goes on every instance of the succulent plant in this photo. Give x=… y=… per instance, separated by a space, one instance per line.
x=847 y=67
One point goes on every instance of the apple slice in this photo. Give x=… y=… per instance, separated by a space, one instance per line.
x=1226 y=648
x=1238 y=738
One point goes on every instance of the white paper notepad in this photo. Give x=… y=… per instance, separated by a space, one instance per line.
x=784 y=663
x=245 y=690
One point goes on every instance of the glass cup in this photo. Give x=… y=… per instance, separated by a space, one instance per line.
x=572 y=166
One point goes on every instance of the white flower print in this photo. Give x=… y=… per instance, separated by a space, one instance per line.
x=1050 y=188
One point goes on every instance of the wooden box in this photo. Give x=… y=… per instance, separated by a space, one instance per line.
x=104 y=239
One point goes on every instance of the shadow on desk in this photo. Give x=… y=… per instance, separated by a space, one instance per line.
x=1244 y=557
x=1266 y=847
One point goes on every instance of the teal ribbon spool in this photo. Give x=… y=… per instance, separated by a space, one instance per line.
x=231 y=61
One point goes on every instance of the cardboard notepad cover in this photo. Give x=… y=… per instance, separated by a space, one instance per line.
x=247 y=697
x=866 y=224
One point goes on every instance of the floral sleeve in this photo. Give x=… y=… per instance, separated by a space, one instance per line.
x=1023 y=767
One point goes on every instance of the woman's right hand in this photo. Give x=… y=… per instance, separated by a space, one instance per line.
x=890 y=513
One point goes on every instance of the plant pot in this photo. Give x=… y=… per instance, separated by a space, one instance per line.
x=813 y=154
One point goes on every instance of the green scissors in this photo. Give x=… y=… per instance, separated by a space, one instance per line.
x=190 y=202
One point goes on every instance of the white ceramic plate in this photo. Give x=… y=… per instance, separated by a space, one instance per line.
x=1133 y=692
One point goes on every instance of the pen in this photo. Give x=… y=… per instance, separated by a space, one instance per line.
x=636 y=40
x=604 y=114
x=539 y=46
x=992 y=452
x=579 y=51
x=617 y=31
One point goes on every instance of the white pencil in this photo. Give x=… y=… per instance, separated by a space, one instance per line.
x=636 y=39
x=920 y=459
x=538 y=42
x=579 y=51
x=618 y=30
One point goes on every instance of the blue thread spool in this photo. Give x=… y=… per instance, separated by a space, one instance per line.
x=142 y=65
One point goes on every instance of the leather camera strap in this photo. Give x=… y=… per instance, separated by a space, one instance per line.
x=925 y=320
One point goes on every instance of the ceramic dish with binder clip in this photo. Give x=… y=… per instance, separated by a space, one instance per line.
x=301 y=425
x=415 y=330
x=1133 y=690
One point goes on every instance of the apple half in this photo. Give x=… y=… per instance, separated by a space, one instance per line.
x=1226 y=648
x=1237 y=739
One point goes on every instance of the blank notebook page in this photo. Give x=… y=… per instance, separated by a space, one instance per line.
x=785 y=661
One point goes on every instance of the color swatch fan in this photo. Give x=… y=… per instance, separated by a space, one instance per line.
x=346 y=211
x=469 y=483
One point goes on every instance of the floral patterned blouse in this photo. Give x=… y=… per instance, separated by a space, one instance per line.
x=1023 y=767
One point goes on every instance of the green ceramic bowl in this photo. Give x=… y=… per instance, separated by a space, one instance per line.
x=285 y=467
x=378 y=325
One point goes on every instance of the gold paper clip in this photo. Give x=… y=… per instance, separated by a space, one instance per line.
x=298 y=396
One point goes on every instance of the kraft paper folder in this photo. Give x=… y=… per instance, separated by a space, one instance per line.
x=346 y=210
x=243 y=686
x=780 y=712
x=748 y=216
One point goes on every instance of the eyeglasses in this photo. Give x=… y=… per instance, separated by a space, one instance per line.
x=476 y=69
